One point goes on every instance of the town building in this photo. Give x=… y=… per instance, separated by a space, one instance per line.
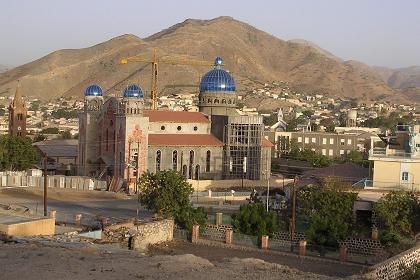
x=119 y=138
x=17 y=115
x=332 y=145
x=396 y=159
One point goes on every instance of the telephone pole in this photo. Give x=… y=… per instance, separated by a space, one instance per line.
x=45 y=184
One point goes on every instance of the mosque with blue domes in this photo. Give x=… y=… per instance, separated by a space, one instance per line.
x=119 y=137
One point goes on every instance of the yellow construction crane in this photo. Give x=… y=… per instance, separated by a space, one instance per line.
x=155 y=61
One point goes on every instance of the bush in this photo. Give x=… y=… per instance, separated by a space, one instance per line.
x=253 y=219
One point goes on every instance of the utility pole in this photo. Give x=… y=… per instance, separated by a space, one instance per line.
x=45 y=184
x=293 y=223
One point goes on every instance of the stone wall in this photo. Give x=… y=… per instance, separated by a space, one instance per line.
x=153 y=233
x=393 y=268
x=139 y=237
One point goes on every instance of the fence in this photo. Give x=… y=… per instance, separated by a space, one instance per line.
x=360 y=251
x=22 y=179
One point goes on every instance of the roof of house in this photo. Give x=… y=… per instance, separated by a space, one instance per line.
x=58 y=147
x=175 y=116
x=184 y=140
x=348 y=171
x=266 y=143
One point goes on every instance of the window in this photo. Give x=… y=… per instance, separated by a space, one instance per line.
x=348 y=141
x=342 y=142
x=341 y=152
x=197 y=172
x=331 y=141
x=313 y=140
x=404 y=176
x=223 y=101
x=195 y=128
x=299 y=139
x=324 y=141
x=209 y=100
x=306 y=140
x=179 y=128
x=175 y=160
x=324 y=152
x=208 y=158
x=162 y=127
x=216 y=101
x=184 y=170
x=158 y=160
x=330 y=152
x=191 y=165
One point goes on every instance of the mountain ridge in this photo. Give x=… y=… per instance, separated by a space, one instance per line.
x=252 y=55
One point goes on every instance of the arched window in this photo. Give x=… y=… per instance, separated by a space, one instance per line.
x=191 y=165
x=223 y=101
x=209 y=100
x=158 y=160
x=197 y=172
x=175 y=160
x=208 y=157
x=230 y=101
x=216 y=101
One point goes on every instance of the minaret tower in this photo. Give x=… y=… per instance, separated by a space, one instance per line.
x=17 y=115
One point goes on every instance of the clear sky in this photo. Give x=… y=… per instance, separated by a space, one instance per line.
x=377 y=32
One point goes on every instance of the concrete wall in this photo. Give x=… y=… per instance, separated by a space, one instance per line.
x=20 y=179
x=30 y=228
x=387 y=174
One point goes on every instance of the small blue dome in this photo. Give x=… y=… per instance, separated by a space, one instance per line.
x=94 y=90
x=217 y=80
x=133 y=90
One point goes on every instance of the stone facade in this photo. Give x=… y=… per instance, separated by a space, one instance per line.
x=17 y=115
x=393 y=268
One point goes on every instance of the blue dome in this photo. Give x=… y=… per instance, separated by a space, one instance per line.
x=133 y=90
x=217 y=80
x=94 y=90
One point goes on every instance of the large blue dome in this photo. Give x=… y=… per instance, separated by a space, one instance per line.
x=217 y=80
x=133 y=90
x=94 y=90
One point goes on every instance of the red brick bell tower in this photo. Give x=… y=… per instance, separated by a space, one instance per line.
x=17 y=115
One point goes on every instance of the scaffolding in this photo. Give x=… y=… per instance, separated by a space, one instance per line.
x=242 y=151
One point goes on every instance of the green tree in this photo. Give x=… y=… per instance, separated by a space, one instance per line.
x=17 y=153
x=167 y=193
x=271 y=120
x=39 y=137
x=253 y=219
x=50 y=130
x=330 y=214
x=399 y=213
x=66 y=134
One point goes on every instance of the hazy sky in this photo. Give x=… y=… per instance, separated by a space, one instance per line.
x=377 y=32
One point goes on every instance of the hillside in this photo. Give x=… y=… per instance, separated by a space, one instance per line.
x=400 y=78
x=253 y=56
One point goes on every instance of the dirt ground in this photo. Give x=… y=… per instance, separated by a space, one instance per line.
x=215 y=254
x=34 y=261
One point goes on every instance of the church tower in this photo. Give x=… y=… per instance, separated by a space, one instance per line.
x=17 y=115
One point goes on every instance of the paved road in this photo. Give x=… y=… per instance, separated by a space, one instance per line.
x=90 y=204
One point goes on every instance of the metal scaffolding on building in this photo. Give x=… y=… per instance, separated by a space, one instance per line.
x=242 y=152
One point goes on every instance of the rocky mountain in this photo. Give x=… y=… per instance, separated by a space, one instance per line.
x=4 y=68
x=253 y=56
x=400 y=78
x=316 y=47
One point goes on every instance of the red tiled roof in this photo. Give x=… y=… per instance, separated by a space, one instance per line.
x=184 y=140
x=175 y=116
x=266 y=143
